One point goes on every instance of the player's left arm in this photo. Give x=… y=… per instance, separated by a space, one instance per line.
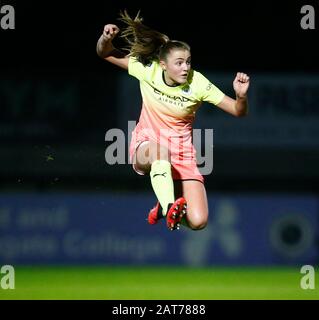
x=238 y=107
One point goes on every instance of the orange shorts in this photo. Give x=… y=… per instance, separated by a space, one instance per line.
x=182 y=169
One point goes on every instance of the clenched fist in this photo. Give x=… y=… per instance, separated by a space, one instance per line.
x=110 y=31
x=241 y=84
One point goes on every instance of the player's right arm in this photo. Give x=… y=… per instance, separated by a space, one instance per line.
x=107 y=51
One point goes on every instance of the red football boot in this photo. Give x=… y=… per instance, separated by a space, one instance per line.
x=154 y=214
x=175 y=214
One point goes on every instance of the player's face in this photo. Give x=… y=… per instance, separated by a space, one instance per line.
x=177 y=66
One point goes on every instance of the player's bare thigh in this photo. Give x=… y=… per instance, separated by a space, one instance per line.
x=197 y=206
x=146 y=153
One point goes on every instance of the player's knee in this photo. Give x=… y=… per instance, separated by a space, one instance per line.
x=198 y=222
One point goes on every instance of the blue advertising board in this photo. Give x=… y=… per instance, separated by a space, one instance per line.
x=109 y=228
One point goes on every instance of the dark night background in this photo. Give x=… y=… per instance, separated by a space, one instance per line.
x=62 y=204
x=53 y=47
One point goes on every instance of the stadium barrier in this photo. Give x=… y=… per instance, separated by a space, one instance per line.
x=111 y=228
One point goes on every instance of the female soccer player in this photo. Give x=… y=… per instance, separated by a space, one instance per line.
x=161 y=144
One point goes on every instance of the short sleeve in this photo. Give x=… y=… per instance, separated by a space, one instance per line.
x=208 y=91
x=136 y=68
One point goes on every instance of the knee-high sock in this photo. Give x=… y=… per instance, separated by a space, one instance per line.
x=162 y=183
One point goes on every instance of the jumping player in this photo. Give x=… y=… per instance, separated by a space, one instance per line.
x=172 y=92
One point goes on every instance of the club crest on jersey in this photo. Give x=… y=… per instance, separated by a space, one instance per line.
x=187 y=89
x=209 y=86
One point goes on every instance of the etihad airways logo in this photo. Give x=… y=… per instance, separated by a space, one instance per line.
x=173 y=98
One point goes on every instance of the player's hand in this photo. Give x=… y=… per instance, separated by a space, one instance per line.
x=241 y=84
x=110 y=31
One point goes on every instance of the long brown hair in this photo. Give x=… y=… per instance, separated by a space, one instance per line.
x=145 y=43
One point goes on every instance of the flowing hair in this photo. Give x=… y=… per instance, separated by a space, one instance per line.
x=145 y=43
